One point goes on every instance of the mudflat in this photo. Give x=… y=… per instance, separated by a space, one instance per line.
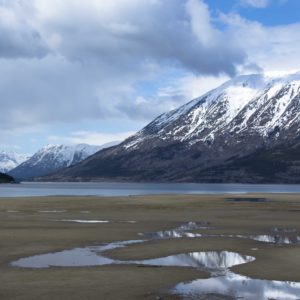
x=38 y=225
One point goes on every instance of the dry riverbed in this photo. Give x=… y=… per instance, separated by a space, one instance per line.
x=39 y=225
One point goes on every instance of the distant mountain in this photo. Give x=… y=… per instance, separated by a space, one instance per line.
x=10 y=160
x=4 y=178
x=246 y=130
x=52 y=158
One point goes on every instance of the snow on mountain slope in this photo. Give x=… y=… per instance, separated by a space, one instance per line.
x=246 y=130
x=10 y=160
x=257 y=102
x=54 y=157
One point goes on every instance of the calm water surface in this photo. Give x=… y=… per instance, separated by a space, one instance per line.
x=222 y=282
x=125 y=189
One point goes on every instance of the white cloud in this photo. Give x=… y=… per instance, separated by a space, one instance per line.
x=74 y=60
x=70 y=61
x=273 y=48
x=256 y=3
x=90 y=137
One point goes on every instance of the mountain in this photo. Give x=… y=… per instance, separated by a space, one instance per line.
x=246 y=130
x=4 y=178
x=52 y=158
x=10 y=160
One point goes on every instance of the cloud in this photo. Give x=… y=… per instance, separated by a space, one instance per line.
x=256 y=3
x=273 y=48
x=62 y=61
x=90 y=137
x=18 y=38
x=70 y=61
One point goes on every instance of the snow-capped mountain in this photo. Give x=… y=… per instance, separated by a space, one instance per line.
x=54 y=157
x=255 y=103
x=245 y=130
x=10 y=160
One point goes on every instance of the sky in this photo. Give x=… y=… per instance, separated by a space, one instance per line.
x=93 y=71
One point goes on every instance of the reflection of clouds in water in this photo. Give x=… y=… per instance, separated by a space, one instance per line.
x=86 y=221
x=77 y=257
x=240 y=287
x=90 y=256
x=222 y=281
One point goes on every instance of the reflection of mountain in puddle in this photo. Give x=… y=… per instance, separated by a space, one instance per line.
x=222 y=282
x=239 y=287
x=282 y=237
x=179 y=232
x=210 y=260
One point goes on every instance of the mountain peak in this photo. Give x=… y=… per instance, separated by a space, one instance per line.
x=52 y=157
x=10 y=159
x=246 y=130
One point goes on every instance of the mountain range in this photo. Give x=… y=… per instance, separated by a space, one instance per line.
x=246 y=130
x=52 y=158
x=11 y=159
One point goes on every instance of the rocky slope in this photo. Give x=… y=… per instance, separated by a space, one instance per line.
x=247 y=130
x=53 y=158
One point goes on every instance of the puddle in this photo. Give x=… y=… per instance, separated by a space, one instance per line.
x=246 y=199
x=239 y=287
x=77 y=257
x=223 y=282
x=280 y=238
x=92 y=256
x=85 y=221
x=178 y=232
x=131 y=222
x=210 y=260
x=12 y=211
x=277 y=239
x=92 y=221
x=52 y=211
x=284 y=230
x=85 y=212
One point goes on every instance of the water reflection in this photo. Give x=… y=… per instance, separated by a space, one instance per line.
x=77 y=257
x=85 y=221
x=210 y=260
x=179 y=232
x=284 y=230
x=222 y=282
x=282 y=236
x=239 y=287
x=92 y=256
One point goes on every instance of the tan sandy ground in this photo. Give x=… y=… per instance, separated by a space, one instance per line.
x=28 y=232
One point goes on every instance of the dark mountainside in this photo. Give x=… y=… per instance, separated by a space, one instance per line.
x=4 y=178
x=247 y=130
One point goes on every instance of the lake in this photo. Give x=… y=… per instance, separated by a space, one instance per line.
x=125 y=189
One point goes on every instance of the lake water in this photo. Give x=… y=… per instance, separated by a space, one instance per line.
x=126 y=189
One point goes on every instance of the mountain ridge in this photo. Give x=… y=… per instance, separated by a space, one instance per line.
x=10 y=160
x=52 y=158
x=246 y=115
